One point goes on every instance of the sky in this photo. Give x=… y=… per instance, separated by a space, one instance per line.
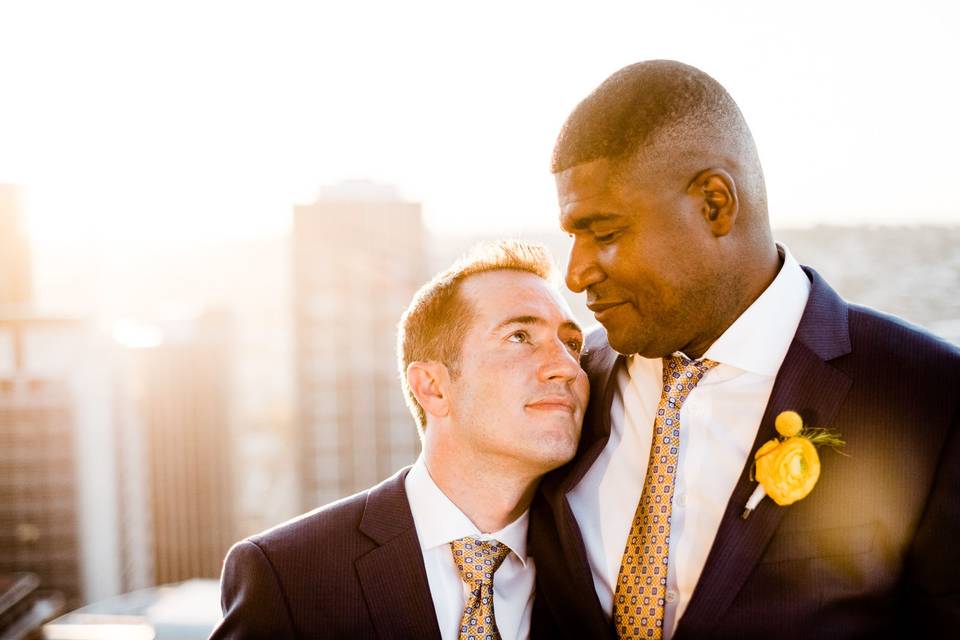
x=138 y=124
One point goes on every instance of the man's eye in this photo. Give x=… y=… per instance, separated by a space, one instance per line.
x=519 y=337
x=609 y=236
x=575 y=345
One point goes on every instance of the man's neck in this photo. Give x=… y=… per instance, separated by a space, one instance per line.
x=764 y=271
x=490 y=495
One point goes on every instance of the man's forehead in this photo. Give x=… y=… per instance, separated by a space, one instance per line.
x=584 y=181
x=506 y=293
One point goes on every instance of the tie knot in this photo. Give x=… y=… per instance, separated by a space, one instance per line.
x=477 y=560
x=681 y=375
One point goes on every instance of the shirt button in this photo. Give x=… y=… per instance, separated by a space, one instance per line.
x=682 y=500
x=671 y=596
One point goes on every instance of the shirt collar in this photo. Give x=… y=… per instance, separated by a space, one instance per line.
x=439 y=521
x=758 y=340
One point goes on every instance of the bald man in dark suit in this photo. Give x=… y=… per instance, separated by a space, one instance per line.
x=710 y=331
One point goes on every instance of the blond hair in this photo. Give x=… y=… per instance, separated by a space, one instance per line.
x=434 y=324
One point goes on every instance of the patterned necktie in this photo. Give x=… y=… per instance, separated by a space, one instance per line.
x=642 y=582
x=477 y=561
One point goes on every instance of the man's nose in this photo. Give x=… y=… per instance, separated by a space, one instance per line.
x=582 y=269
x=560 y=363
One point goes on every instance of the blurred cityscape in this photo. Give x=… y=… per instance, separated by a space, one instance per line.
x=136 y=445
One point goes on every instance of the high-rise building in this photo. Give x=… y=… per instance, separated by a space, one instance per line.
x=57 y=474
x=134 y=506
x=58 y=507
x=15 y=280
x=183 y=404
x=359 y=255
x=39 y=520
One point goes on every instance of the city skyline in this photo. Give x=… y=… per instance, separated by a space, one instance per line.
x=169 y=286
x=274 y=389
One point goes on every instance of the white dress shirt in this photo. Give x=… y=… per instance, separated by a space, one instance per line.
x=718 y=424
x=439 y=522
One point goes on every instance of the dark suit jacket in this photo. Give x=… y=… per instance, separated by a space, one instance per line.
x=874 y=548
x=351 y=569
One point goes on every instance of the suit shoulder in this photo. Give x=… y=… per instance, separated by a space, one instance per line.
x=327 y=524
x=596 y=338
x=595 y=347
x=330 y=531
x=900 y=341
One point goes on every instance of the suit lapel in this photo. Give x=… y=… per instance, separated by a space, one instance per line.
x=600 y=363
x=572 y=598
x=808 y=384
x=392 y=576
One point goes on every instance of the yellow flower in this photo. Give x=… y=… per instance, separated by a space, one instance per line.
x=788 y=470
x=789 y=424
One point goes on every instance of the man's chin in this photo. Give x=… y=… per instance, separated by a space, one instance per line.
x=632 y=340
x=623 y=340
x=554 y=449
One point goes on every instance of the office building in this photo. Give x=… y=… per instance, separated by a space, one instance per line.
x=182 y=400
x=15 y=268
x=359 y=255
x=39 y=493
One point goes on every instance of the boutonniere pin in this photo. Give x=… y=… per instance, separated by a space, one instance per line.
x=787 y=468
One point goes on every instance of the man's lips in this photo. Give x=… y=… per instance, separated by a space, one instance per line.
x=601 y=309
x=553 y=403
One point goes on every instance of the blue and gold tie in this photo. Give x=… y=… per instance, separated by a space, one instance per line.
x=638 y=602
x=477 y=561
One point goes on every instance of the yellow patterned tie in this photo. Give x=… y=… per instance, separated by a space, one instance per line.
x=477 y=561
x=642 y=582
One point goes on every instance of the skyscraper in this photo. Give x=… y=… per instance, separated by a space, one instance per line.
x=15 y=280
x=57 y=487
x=39 y=520
x=359 y=255
x=183 y=408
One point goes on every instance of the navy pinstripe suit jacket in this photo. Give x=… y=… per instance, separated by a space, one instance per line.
x=874 y=549
x=351 y=569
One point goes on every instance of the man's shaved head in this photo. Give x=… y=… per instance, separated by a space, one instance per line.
x=661 y=189
x=672 y=118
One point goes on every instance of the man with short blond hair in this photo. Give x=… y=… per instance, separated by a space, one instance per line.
x=488 y=354
x=433 y=326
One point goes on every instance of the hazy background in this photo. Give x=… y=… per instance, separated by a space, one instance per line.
x=213 y=214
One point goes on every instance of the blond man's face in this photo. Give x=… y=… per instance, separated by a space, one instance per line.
x=520 y=392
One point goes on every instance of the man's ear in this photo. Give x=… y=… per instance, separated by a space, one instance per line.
x=717 y=191
x=429 y=382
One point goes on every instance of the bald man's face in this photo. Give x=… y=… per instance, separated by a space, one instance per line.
x=642 y=252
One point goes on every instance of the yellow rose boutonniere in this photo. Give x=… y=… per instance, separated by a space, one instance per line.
x=788 y=467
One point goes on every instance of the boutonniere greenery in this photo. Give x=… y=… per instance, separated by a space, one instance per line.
x=787 y=468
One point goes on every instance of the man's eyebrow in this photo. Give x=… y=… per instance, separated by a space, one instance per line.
x=569 y=324
x=584 y=222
